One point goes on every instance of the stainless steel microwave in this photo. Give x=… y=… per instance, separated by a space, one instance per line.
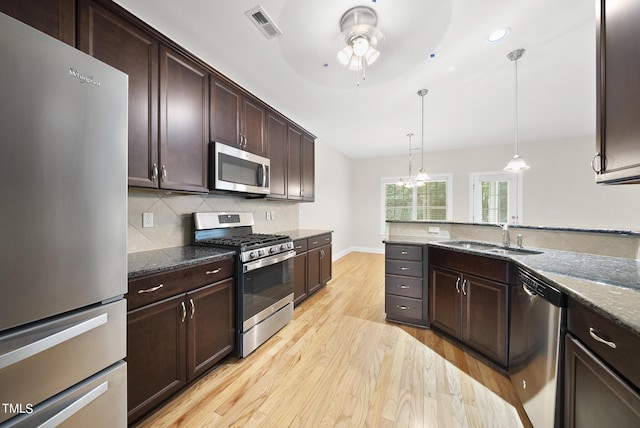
x=234 y=170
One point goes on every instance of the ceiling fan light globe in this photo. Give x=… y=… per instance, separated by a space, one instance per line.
x=354 y=63
x=344 y=55
x=372 y=55
x=360 y=45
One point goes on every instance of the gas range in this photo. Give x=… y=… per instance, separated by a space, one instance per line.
x=264 y=276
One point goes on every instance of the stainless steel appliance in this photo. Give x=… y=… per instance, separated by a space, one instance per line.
x=535 y=348
x=232 y=169
x=63 y=254
x=264 y=279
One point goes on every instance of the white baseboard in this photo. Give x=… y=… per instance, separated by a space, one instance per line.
x=343 y=253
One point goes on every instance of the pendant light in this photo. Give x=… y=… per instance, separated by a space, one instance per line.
x=409 y=183
x=516 y=163
x=422 y=177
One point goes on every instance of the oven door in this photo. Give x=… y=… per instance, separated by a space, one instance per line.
x=266 y=286
x=235 y=170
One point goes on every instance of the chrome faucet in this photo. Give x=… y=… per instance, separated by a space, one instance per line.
x=506 y=239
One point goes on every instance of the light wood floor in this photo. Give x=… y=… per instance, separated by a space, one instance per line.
x=339 y=363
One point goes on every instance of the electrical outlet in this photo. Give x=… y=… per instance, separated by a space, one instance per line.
x=434 y=229
x=273 y=215
x=268 y=215
x=147 y=219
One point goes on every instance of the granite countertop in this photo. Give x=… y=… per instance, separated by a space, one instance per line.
x=156 y=261
x=608 y=285
x=304 y=233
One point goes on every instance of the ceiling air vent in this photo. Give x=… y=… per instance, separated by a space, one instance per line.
x=265 y=24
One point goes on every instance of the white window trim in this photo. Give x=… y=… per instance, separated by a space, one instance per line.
x=518 y=177
x=432 y=177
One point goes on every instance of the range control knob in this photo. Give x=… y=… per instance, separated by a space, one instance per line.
x=273 y=249
x=283 y=247
x=252 y=255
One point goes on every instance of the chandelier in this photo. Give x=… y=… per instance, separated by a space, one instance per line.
x=362 y=39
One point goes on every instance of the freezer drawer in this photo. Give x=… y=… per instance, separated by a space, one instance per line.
x=98 y=402
x=42 y=360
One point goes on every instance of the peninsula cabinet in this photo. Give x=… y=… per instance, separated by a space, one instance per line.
x=617 y=157
x=56 y=18
x=168 y=98
x=405 y=298
x=601 y=371
x=468 y=298
x=237 y=119
x=179 y=325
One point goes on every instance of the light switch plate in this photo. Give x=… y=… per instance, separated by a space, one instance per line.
x=434 y=229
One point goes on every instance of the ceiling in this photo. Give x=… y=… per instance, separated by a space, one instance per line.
x=439 y=45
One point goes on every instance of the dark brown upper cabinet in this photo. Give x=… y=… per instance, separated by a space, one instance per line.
x=617 y=158
x=56 y=18
x=168 y=98
x=301 y=165
x=276 y=129
x=237 y=119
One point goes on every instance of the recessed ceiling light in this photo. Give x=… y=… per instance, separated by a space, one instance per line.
x=499 y=34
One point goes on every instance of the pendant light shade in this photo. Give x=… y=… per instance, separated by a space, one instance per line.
x=516 y=163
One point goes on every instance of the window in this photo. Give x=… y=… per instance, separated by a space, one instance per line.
x=496 y=197
x=430 y=202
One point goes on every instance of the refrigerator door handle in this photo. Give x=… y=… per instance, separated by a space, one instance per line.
x=22 y=353
x=76 y=406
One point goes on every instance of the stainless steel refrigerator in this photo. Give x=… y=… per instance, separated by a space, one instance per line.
x=63 y=256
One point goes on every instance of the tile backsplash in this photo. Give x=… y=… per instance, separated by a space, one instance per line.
x=173 y=222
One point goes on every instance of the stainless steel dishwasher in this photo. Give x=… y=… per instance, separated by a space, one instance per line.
x=538 y=319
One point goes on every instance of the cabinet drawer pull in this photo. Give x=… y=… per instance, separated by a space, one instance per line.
x=403 y=286
x=458 y=285
x=213 y=272
x=594 y=334
x=298 y=247
x=314 y=242
x=403 y=307
x=403 y=268
x=327 y=239
x=193 y=308
x=404 y=253
x=151 y=290
x=184 y=311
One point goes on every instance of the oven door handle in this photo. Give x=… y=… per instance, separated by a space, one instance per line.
x=268 y=261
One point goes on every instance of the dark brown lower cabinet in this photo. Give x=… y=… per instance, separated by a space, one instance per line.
x=596 y=396
x=468 y=307
x=312 y=265
x=172 y=341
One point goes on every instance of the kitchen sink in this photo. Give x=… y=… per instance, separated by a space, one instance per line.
x=491 y=248
x=512 y=251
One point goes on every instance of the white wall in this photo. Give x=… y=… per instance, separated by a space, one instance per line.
x=332 y=207
x=559 y=189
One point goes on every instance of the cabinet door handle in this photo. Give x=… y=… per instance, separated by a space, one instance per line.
x=322 y=253
x=594 y=334
x=464 y=287
x=184 y=311
x=151 y=290
x=164 y=174
x=593 y=164
x=458 y=285
x=213 y=272
x=404 y=287
x=193 y=308
x=403 y=307
x=154 y=172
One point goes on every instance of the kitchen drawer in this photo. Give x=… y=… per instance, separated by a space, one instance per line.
x=403 y=252
x=319 y=241
x=592 y=329
x=300 y=245
x=153 y=288
x=402 y=267
x=403 y=307
x=403 y=286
